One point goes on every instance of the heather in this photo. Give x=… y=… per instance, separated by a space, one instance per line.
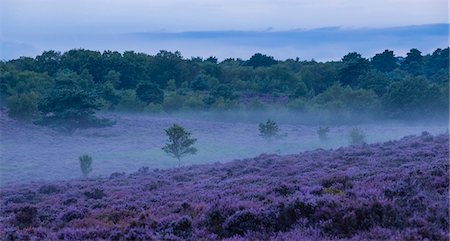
x=396 y=190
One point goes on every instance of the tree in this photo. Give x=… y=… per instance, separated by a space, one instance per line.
x=201 y=82
x=384 y=62
x=260 y=60
x=150 y=93
x=179 y=143
x=354 y=66
x=69 y=106
x=322 y=132
x=85 y=164
x=413 y=63
x=224 y=91
x=23 y=106
x=357 y=137
x=269 y=130
x=413 y=97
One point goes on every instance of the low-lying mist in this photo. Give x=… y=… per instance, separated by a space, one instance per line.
x=31 y=153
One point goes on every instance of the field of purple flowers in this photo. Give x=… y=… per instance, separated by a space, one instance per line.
x=397 y=190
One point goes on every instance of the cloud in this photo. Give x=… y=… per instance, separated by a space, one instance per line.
x=37 y=17
x=329 y=43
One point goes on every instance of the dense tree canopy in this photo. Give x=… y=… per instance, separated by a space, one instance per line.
x=394 y=86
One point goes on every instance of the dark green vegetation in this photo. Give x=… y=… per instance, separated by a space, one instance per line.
x=357 y=137
x=85 y=164
x=322 y=132
x=269 y=130
x=55 y=88
x=180 y=142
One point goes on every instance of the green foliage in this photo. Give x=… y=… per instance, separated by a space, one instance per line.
x=224 y=91
x=201 y=82
x=194 y=102
x=354 y=84
x=338 y=98
x=413 y=97
x=179 y=143
x=173 y=102
x=353 y=67
x=23 y=106
x=322 y=132
x=260 y=60
x=357 y=137
x=68 y=106
x=269 y=130
x=384 y=62
x=85 y=164
x=150 y=93
x=129 y=102
x=413 y=63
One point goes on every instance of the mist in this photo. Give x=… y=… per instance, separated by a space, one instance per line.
x=37 y=153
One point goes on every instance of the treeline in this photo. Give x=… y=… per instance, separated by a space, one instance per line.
x=72 y=85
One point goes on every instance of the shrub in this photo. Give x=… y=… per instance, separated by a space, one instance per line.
x=173 y=102
x=49 y=189
x=25 y=216
x=242 y=222
x=95 y=193
x=150 y=93
x=323 y=133
x=269 y=130
x=182 y=227
x=85 y=164
x=357 y=137
x=72 y=214
x=129 y=101
x=201 y=82
x=71 y=104
x=23 y=106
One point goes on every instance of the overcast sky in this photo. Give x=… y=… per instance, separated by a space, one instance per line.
x=30 y=26
x=117 y=16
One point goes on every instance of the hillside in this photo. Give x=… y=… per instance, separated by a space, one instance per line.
x=392 y=190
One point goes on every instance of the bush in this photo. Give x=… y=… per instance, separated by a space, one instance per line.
x=23 y=106
x=71 y=214
x=269 y=130
x=201 y=82
x=242 y=222
x=95 y=193
x=323 y=133
x=357 y=137
x=25 y=216
x=129 y=102
x=173 y=102
x=150 y=93
x=85 y=164
x=69 y=106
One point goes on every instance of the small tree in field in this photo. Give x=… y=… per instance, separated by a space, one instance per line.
x=179 y=143
x=357 y=137
x=85 y=164
x=269 y=130
x=323 y=133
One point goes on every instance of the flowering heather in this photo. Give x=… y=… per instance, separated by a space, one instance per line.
x=396 y=190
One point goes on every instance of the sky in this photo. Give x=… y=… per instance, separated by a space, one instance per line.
x=33 y=25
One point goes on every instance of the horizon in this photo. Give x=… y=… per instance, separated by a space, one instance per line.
x=29 y=27
x=320 y=44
